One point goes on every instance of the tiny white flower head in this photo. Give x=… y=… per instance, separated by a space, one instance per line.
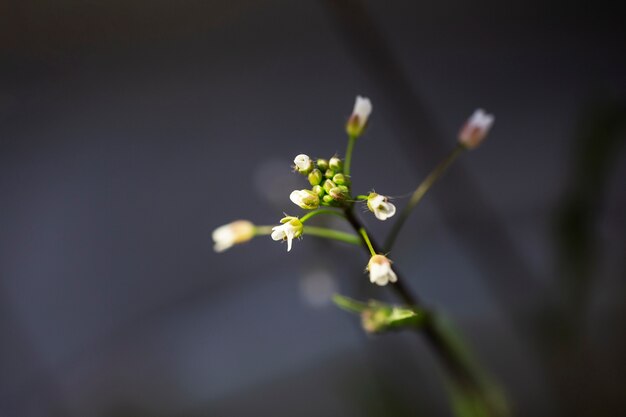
x=303 y=164
x=360 y=114
x=290 y=229
x=232 y=233
x=475 y=129
x=305 y=199
x=380 y=270
x=380 y=206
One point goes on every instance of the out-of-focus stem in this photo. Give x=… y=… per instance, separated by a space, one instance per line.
x=348 y=158
x=419 y=193
x=458 y=369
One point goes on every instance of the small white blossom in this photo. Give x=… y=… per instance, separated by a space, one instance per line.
x=360 y=114
x=380 y=206
x=303 y=163
x=232 y=233
x=290 y=229
x=380 y=270
x=305 y=199
x=475 y=129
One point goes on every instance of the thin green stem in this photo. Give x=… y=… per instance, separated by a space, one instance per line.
x=332 y=234
x=367 y=240
x=419 y=193
x=348 y=158
x=262 y=230
x=321 y=211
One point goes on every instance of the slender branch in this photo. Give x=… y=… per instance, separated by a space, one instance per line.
x=348 y=158
x=322 y=211
x=262 y=230
x=419 y=193
x=332 y=234
x=367 y=240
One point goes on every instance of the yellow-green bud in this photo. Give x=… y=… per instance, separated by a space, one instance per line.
x=305 y=199
x=335 y=164
x=337 y=193
x=322 y=164
x=328 y=185
x=329 y=174
x=344 y=189
x=340 y=179
x=328 y=199
x=315 y=177
x=319 y=190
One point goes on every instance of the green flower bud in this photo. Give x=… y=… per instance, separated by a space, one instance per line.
x=315 y=177
x=335 y=164
x=329 y=174
x=322 y=164
x=328 y=185
x=344 y=189
x=340 y=179
x=337 y=193
x=317 y=189
x=328 y=200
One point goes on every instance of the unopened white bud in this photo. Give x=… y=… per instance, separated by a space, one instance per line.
x=475 y=129
x=232 y=233
x=360 y=114
x=303 y=164
x=305 y=199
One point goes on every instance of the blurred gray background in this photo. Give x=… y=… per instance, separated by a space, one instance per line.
x=129 y=130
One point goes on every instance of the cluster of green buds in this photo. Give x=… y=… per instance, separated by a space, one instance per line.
x=329 y=186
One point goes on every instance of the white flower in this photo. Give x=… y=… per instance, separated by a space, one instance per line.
x=380 y=206
x=380 y=270
x=475 y=129
x=232 y=233
x=290 y=229
x=305 y=199
x=360 y=114
x=304 y=164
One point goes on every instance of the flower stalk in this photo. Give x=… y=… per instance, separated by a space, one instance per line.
x=420 y=192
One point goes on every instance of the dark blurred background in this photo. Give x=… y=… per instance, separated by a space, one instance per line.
x=130 y=129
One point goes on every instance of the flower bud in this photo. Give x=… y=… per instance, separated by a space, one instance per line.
x=317 y=189
x=378 y=317
x=328 y=200
x=290 y=228
x=322 y=164
x=475 y=129
x=329 y=174
x=337 y=193
x=303 y=164
x=328 y=185
x=340 y=179
x=336 y=164
x=380 y=270
x=305 y=199
x=315 y=177
x=357 y=122
x=232 y=233
x=380 y=206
